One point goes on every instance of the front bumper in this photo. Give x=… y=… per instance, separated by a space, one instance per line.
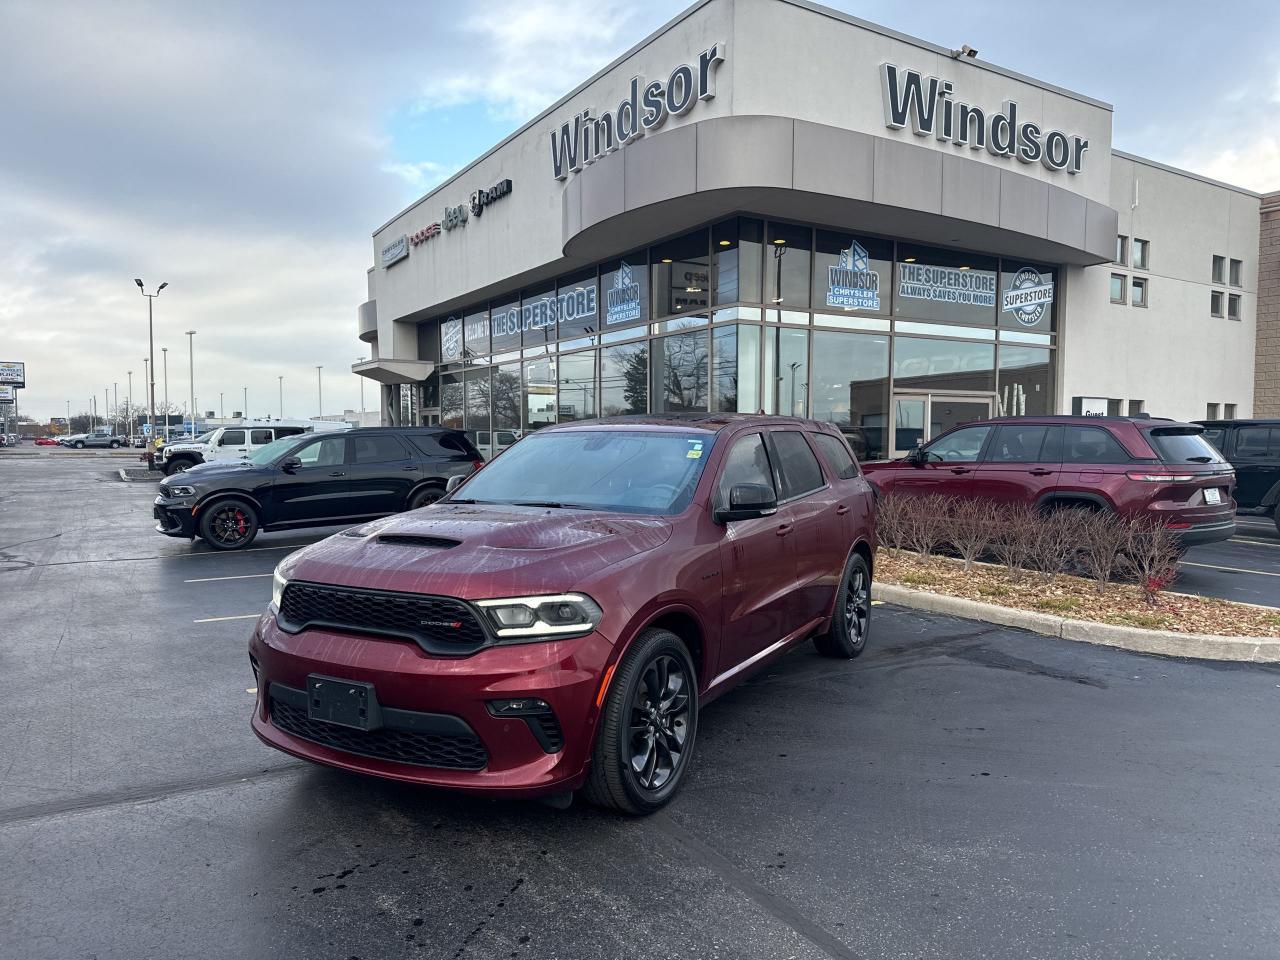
x=421 y=690
x=174 y=517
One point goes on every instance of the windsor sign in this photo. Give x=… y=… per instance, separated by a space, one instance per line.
x=926 y=104
x=586 y=138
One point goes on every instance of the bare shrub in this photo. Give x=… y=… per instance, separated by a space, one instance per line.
x=1151 y=555
x=1103 y=537
x=889 y=520
x=923 y=523
x=970 y=528
x=1013 y=535
x=1054 y=539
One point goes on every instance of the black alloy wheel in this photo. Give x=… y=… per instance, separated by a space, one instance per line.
x=229 y=525
x=851 y=619
x=176 y=466
x=425 y=497
x=646 y=734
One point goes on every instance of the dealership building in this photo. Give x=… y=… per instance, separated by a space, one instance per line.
x=770 y=205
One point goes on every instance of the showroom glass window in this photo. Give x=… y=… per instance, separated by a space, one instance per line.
x=1028 y=295
x=735 y=369
x=940 y=366
x=851 y=388
x=577 y=379
x=680 y=373
x=476 y=383
x=451 y=340
x=475 y=336
x=786 y=266
x=537 y=315
x=735 y=261
x=578 y=304
x=852 y=274
x=945 y=285
x=452 y=401
x=505 y=391
x=1026 y=381
x=624 y=379
x=504 y=326
x=681 y=275
x=539 y=392
x=786 y=364
x=624 y=291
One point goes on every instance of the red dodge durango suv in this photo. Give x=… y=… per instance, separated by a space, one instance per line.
x=1133 y=466
x=558 y=621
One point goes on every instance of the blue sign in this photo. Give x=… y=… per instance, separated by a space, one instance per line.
x=146 y=429
x=623 y=300
x=851 y=282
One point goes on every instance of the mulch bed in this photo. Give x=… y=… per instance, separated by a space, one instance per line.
x=1077 y=598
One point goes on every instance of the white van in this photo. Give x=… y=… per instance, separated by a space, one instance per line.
x=236 y=442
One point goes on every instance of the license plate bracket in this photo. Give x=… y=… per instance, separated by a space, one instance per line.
x=1212 y=495
x=348 y=703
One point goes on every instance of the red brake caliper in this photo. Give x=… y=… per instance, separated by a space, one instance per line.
x=240 y=524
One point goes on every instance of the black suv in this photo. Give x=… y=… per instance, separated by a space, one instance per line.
x=1253 y=448
x=312 y=481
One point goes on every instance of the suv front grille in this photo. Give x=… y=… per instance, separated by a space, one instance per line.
x=437 y=624
x=398 y=746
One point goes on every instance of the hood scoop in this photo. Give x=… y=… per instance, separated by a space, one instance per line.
x=418 y=540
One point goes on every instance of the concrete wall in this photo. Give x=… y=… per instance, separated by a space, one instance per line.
x=1266 y=400
x=1172 y=354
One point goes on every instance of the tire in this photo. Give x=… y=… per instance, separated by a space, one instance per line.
x=177 y=466
x=656 y=659
x=229 y=524
x=851 y=620
x=114 y=445
x=425 y=497
x=79 y=444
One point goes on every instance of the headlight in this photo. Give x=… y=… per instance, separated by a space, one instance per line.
x=560 y=615
x=182 y=490
x=278 y=583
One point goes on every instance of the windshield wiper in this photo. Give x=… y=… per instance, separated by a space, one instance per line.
x=551 y=504
x=1199 y=459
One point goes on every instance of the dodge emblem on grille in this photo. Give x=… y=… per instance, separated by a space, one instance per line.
x=451 y=624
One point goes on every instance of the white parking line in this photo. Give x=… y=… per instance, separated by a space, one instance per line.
x=243 y=576
x=246 y=616
x=1218 y=566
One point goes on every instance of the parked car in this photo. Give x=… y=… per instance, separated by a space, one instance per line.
x=46 y=441
x=235 y=442
x=99 y=440
x=1134 y=466
x=1252 y=447
x=490 y=443
x=14 y=439
x=558 y=622
x=310 y=480
x=4 y=439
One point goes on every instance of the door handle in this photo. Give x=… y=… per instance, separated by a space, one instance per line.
x=337 y=473
x=408 y=468
x=783 y=530
x=1039 y=472
x=959 y=469
x=842 y=510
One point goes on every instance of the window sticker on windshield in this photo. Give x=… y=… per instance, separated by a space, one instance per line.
x=695 y=450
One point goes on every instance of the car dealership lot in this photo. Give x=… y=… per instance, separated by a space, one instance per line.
x=960 y=790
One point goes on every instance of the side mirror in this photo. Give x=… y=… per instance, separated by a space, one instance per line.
x=748 y=501
x=917 y=456
x=291 y=464
x=453 y=483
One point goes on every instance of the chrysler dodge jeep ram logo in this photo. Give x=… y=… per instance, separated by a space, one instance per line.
x=482 y=198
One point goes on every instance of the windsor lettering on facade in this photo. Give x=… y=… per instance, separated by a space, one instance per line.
x=586 y=138
x=926 y=104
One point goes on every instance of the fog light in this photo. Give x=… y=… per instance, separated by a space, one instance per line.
x=527 y=707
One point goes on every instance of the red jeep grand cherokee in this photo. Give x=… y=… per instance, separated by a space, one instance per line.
x=560 y=619
x=1134 y=466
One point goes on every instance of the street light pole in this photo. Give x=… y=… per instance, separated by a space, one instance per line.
x=115 y=397
x=246 y=403
x=191 y=358
x=222 y=406
x=129 y=402
x=165 y=353
x=145 y=366
x=104 y=402
x=151 y=352
x=281 y=379
x=361 y=360
x=319 y=391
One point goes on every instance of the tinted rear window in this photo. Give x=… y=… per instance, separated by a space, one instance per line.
x=837 y=455
x=443 y=445
x=1183 y=446
x=800 y=471
x=1092 y=445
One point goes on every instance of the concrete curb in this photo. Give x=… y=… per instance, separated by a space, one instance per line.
x=154 y=476
x=1164 y=642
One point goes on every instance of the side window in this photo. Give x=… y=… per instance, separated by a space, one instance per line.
x=963 y=446
x=1092 y=445
x=232 y=438
x=1017 y=443
x=259 y=437
x=439 y=444
x=288 y=431
x=1216 y=436
x=1251 y=443
x=747 y=462
x=799 y=467
x=377 y=449
x=837 y=454
x=328 y=452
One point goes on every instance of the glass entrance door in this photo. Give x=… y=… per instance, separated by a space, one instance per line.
x=919 y=417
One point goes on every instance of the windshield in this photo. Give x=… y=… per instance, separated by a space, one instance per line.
x=630 y=471
x=276 y=448
x=1184 y=446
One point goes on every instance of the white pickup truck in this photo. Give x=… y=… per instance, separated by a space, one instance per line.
x=235 y=442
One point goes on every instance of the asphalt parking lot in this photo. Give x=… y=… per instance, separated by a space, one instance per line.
x=959 y=791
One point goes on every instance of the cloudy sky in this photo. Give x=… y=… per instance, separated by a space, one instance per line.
x=244 y=152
